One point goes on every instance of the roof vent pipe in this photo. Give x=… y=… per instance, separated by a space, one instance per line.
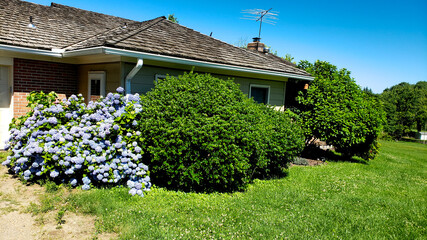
x=31 y=24
x=131 y=74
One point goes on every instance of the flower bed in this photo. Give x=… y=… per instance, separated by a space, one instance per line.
x=84 y=145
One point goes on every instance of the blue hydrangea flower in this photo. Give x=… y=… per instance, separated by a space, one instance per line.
x=81 y=143
x=132 y=191
x=54 y=174
x=120 y=90
x=73 y=182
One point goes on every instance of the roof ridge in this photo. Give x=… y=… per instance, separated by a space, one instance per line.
x=138 y=30
x=108 y=37
x=93 y=36
x=61 y=6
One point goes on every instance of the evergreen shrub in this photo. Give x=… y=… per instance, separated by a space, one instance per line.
x=203 y=134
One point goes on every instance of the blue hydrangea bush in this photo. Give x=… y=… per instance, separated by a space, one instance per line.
x=91 y=145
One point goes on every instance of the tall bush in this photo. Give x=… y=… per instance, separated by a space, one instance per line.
x=336 y=110
x=203 y=134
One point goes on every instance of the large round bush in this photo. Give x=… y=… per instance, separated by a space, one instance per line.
x=203 y=134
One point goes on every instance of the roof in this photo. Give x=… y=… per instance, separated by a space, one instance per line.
x=63 y=27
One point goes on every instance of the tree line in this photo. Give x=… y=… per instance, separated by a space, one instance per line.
x=405 y=106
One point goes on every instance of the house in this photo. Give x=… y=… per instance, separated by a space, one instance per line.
x=69 y=50
x=421 y=135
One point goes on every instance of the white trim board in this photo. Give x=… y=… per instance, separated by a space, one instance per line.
x=260 y=86
x=102 y=77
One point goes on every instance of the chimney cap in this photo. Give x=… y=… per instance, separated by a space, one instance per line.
x=256 y=39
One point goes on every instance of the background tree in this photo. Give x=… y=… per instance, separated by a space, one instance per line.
x=172 y=18
x=406 y=108
x=288 y=57
x=242 y=42
x=421 y=105
x=335 y=109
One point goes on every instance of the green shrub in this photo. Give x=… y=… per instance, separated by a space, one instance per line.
x=336 y=110
x=203 y=134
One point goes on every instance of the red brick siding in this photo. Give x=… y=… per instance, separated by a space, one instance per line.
x=94 y=98
x=34 y=75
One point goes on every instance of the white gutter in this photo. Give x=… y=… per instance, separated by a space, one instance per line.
x=149 y=56
x=30 y=51
x=131 y=74
x=177 y=60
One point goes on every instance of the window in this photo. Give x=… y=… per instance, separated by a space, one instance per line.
x=260 y=93
x=5 y=88
x=96 y=84
x=159 y=76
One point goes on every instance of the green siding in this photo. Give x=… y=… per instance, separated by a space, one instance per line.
x=144 y=82
x=277 y=89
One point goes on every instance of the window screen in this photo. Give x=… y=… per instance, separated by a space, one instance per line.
x=95 y=87
x=260 y=94
x=4 y=88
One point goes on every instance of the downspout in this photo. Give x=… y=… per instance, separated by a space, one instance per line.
x=131 y=74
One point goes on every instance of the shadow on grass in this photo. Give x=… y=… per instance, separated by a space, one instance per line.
x=315 y=153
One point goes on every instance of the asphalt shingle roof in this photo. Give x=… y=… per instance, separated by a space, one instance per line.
x=63 y=27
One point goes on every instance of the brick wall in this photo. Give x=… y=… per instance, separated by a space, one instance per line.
x=94 y=98
x=34 y=75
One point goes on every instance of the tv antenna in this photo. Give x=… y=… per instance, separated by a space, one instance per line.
x=261 y=15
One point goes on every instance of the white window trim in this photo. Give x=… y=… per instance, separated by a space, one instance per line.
x=96 y=74
x=8 y=63
x=260 y=86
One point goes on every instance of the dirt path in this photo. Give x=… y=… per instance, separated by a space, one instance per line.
x=16 y=197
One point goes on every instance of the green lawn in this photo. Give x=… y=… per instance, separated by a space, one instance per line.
x=385 y=199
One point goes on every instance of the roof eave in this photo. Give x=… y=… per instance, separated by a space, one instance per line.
x=30 y=51
x=178 y=60
x=149 y=56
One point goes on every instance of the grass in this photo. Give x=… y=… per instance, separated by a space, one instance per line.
x=384 y=199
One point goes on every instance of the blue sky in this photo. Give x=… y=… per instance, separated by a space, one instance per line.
x=381 y=42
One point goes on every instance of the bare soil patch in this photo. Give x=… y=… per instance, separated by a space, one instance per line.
x=17 y=223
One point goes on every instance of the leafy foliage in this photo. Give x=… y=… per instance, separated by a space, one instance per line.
x=203 y=134
x=288 y=57
x=337 y=111
x=420 y=89
x=406 y=108
x=69 y=142
x=172 y=18
x=35 y=99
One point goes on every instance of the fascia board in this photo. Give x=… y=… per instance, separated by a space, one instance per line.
x=30 y=51
x=84 y=52
x=177 y=60
x=149 y=56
